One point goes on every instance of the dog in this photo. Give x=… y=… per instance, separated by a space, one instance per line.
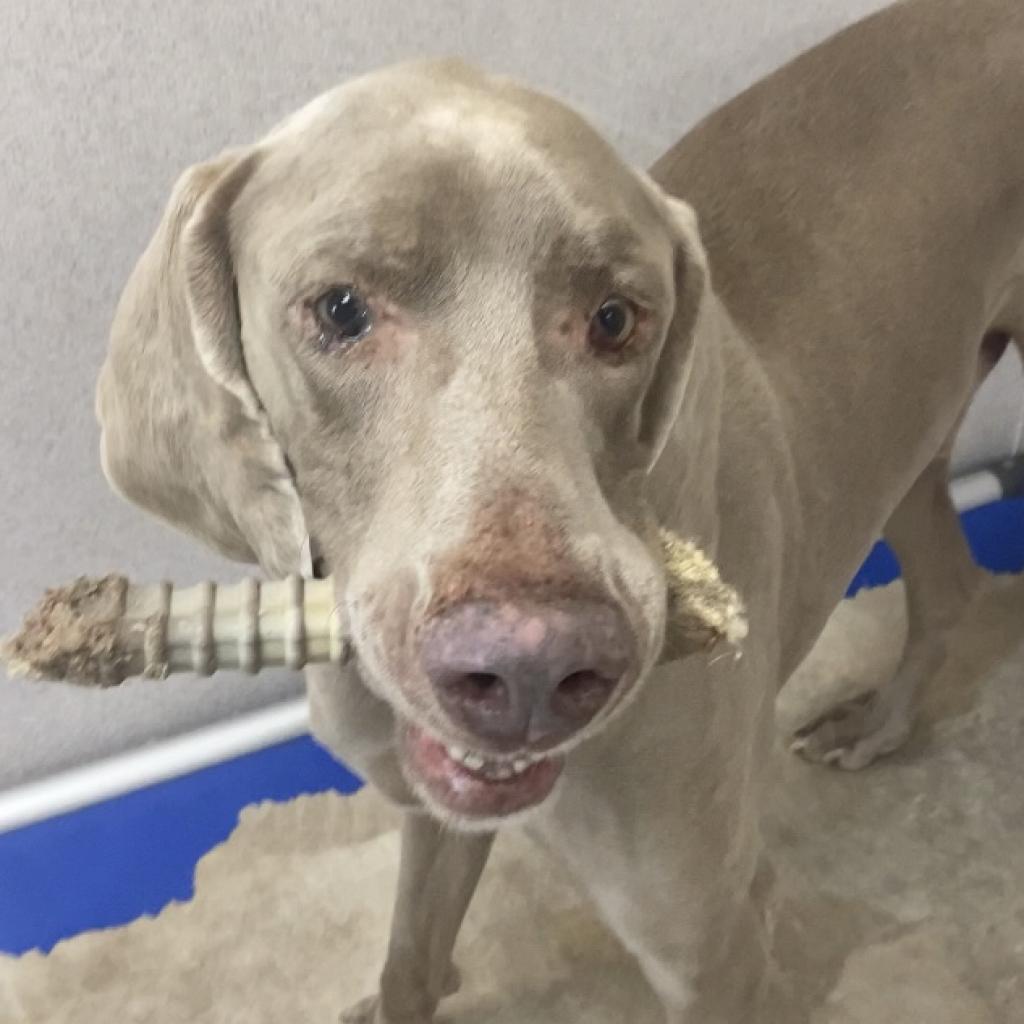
x=433 y=326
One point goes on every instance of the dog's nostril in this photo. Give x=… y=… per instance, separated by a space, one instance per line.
x=482 y=683
x=482 y=690
x=581 y=695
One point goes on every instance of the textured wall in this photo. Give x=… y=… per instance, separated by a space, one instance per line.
x=105 y=101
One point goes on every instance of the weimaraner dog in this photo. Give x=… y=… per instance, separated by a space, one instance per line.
x=433 y=322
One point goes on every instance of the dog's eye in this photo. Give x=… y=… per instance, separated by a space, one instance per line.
x=343 y=314
x=613 y=324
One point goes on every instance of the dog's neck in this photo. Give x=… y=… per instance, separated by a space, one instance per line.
x=726 y=477
x=683 y=485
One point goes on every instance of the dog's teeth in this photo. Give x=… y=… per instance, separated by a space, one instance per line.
x=493 y=769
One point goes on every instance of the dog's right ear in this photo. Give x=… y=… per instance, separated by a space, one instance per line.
x=184 y=434
x=665 y=394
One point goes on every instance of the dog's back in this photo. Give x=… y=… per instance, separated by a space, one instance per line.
x=898 y=136
x=863 y=211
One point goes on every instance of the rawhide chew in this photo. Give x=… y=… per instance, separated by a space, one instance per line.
x=99 y=632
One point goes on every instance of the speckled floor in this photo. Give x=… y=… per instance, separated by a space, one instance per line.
x=905 y=885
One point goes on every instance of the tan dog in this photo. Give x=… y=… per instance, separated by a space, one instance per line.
x=433 y=320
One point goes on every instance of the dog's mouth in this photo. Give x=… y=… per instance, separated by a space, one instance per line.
x=471 y=785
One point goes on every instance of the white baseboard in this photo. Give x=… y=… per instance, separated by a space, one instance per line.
x=156 y=762
x=975 y=490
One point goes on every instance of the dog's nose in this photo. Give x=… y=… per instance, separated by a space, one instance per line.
x=526 y=674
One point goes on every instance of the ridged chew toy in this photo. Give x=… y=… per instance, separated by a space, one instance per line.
x=101 y=631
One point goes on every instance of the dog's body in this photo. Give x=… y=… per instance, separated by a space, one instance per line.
x=863 y=216
x=862 y=212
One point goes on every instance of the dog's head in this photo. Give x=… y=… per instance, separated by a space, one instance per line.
x=434 y=321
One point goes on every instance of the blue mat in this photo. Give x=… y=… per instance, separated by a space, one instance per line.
x=118 y=860
x=995 y=533
x=113 y=862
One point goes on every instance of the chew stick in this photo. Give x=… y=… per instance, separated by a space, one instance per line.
x=99 y=632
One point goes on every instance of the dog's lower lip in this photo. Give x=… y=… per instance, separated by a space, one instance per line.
x=471 y=786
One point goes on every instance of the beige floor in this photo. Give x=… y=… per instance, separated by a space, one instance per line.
x=905 y=906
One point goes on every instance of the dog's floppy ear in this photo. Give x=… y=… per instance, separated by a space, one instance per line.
x=664 y=396
x=184 y=434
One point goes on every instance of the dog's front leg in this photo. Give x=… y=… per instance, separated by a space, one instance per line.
x=694 y=921
x=658 y=820
x=715 y=968
x=437 y=878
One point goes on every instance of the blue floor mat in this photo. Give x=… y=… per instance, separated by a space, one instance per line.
x=117 y=860
x=112 y=862
x=995 y=533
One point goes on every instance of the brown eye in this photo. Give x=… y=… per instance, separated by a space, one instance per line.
x=613 y=324
x=343 y=315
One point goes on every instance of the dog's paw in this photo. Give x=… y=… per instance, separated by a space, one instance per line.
x=370 y=1011
x=366 y=1011
x=853 y=734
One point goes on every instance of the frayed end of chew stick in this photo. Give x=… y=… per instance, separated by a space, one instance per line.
x=73 y=634
x=702 y=610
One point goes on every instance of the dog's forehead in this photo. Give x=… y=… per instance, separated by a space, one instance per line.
x=410 y=131
x=448 y=101
x=411 y=175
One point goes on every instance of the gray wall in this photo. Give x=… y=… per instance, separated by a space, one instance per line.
x=105 y=101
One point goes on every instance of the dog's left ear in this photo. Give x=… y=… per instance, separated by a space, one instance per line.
x=665 y=392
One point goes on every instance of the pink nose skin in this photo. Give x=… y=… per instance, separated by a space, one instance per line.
x=518 y=675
